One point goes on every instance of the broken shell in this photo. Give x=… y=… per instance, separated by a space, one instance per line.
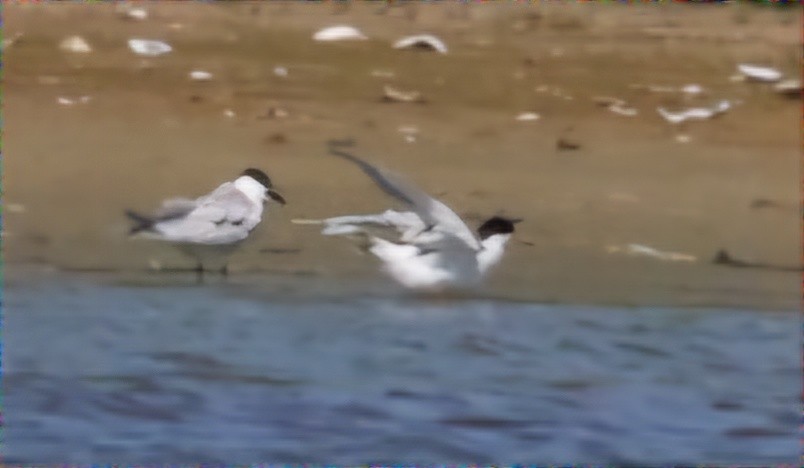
x=528 y=116
x=615 y=105
x=339 y=33
x=65 y=101
x=75 y=44
x=137 y=14
x=696 y=113
x=756 y=73
x=127 y=12
x=626 y=111
x=423 y=42
x=149 y=48
x=692 y=89
x=790 y=88
x=200 y=75
x=391 y=94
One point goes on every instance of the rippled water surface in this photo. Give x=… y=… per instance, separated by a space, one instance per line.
x=97 y=371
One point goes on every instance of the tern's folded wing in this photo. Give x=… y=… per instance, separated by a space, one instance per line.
x=175 y=208
x=226 y=205
x=227 y=217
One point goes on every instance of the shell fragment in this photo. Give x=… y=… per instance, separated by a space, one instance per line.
x=421 y=41
x=149 y=48
x=339 y=33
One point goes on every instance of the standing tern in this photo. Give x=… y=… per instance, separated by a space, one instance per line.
x=212 y=226
x=435 y=249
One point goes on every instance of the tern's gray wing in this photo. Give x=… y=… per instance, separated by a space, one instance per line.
x=224 y=216
x=451 y=253
x=436 y=215
x=224 y=204
x=175 y=208
x=406 y=224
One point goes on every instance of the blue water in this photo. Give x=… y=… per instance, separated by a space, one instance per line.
x=97 y=371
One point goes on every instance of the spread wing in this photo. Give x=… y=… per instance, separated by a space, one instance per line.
x=404 y=224
x=435 y=215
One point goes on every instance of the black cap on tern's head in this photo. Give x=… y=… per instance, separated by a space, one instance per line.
x=259 y=176
x=496 y=225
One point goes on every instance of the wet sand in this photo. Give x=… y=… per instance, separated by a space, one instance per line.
x=148 y=132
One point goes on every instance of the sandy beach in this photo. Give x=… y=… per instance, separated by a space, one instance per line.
x=588 y=182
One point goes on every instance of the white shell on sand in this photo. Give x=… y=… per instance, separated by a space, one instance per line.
x=75 y=44
x=129 y=13
x=391 y=94
x=695 y=113
x=200 y=75
x=148 y=48
x=421 y=41
x=791 y=87
x=647 y=251
x=528 y=116
x=616 y=105
x=692 y=89
x=339 y=33
x=757 y=73
x=66 y=101
x=620 y=109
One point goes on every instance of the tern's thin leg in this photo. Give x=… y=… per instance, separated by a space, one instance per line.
x=199 y=272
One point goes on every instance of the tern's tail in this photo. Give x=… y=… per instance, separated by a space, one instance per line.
x=143 y=223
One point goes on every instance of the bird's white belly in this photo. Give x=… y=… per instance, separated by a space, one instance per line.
x=419 y=273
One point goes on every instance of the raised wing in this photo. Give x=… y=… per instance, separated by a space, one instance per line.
x=435 y=215
x=407 y=224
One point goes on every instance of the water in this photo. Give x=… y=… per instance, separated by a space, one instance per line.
x=99 y=371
